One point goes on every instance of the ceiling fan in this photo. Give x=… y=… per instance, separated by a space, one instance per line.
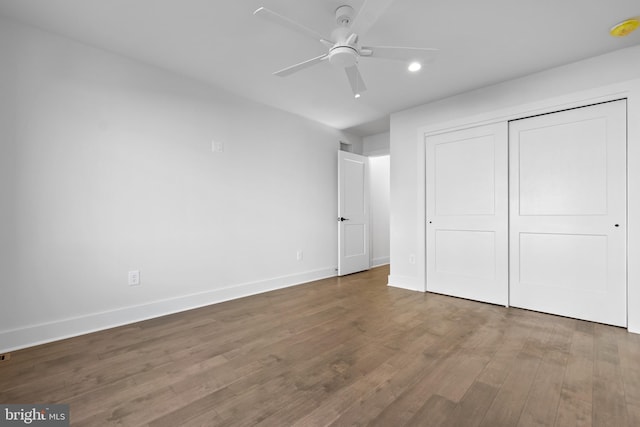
x=343 y=47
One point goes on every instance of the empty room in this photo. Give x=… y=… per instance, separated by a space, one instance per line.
x=319 y=213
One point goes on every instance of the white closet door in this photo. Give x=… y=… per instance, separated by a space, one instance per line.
x=467 y=213
x=568 y=213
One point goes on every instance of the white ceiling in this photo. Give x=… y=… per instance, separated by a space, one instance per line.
x=223 y=44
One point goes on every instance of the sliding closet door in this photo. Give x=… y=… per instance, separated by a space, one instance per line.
x=568 y=213
x=467 y=213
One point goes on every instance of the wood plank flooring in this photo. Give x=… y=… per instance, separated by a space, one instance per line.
x=339 y=352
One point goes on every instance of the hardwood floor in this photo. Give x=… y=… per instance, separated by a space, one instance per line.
x=339 y=352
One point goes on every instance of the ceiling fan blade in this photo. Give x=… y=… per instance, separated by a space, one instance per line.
x=302 y=65
x=422 y=54
x=369 y=14
x=285 y=22
x=355 y=80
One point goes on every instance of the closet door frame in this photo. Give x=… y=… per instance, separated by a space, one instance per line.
x=488 y=113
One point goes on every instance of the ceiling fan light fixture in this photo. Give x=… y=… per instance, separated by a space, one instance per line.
x=624 y=28
x=414 y=67
x=343 y=56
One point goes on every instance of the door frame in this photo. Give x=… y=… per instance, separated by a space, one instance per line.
x=344 y=267
x=629 y=90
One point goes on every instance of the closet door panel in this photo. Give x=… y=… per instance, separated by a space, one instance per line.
x=568 y=213
x=467 y=213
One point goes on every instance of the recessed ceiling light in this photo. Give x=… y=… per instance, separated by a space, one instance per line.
x=624 y=28
x=414 y=66
x=357 y=95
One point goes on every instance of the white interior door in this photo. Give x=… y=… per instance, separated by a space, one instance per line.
x=353 y=213
x=467 y=213
x=568 y=213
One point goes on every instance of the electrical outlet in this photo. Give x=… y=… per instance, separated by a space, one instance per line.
x=5 y=357
x=299 y=255
x=134 y=278
x=217 y=146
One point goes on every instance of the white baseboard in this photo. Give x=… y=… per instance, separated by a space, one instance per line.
x=30 y=336
x=404 y=282
x=377 y=262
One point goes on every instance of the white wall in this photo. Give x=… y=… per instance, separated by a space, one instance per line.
x=379 y=189
x=377 y=148
x=614 y=72
x=376 y=145
x=106 y=166
x=353 y=146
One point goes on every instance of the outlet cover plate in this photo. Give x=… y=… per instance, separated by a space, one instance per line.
x=134 y=278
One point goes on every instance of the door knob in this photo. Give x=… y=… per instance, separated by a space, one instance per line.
x=343 y=219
